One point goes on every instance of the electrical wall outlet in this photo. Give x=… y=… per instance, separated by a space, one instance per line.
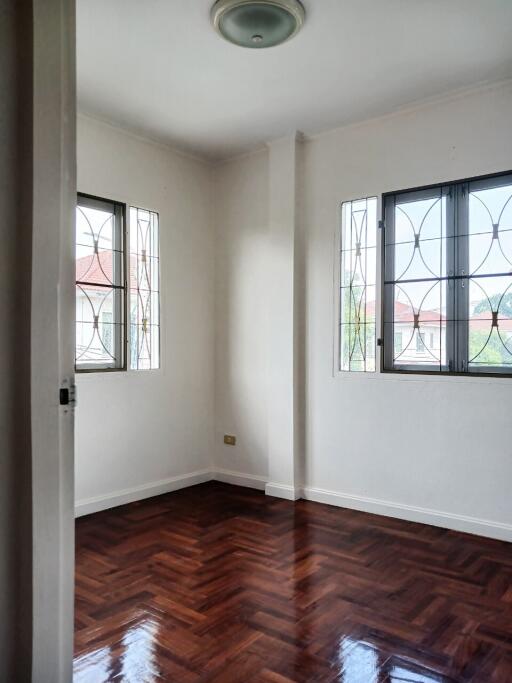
x=229 y=439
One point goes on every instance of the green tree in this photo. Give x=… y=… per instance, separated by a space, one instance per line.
x=505 y=306
x=359 y=335
x=490 y=349
x=494 y=352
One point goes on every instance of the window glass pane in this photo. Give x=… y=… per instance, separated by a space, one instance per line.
x=357 y=280
x=490 y=322
x=448 y=278
x=144 y=290
x=489 y=287
x=98 y=250
x=416 y=289
x=421 y=219
x=489 y=256
x=419 y=314
x=417 y=348
x=100 y=287
x=488 y=208
x=96 y=340
x=357 y=347
x=145 y=347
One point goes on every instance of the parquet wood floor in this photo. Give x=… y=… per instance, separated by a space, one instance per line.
x=221 y=584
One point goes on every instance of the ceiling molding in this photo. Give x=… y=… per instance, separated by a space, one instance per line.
x=239 y=156
x=140 y=137
x=410 y=108
x=418 y=105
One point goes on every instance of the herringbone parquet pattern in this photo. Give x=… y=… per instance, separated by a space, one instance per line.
x=222 y=584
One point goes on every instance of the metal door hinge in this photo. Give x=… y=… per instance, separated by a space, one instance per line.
x=67 y=396
x=381 y=225
x=380 y=342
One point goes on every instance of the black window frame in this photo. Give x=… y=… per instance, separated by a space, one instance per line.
x=120 y=212
x=457 y=192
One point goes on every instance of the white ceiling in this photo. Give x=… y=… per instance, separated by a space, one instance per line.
x=158 y=68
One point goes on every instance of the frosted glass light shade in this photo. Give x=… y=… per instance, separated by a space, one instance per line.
x=258 y=23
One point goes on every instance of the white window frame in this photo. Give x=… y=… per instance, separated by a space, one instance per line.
x=337 y=313
x=135 y=206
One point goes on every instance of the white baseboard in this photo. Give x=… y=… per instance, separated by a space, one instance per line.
x=283 y=491
x=238 y=479
x=156 y=488
x=446 y=520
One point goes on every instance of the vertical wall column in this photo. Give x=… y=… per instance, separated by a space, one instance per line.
x=283 y=447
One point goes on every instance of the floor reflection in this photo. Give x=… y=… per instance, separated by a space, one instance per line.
x=130 y=660
x=93 y=667
x=358 y=662
x=138 y=662
x=361 y=662
x=409 y=674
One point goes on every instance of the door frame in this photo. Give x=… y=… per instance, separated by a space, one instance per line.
x=52 y=337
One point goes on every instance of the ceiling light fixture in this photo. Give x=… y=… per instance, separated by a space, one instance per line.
x=258 y=23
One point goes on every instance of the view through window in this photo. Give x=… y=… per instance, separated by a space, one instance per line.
x=448 y=278
x=105 y=296
x=100 y=285
x=358 y=285
x=144 y=290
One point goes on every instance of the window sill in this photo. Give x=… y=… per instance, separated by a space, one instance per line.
x=390 y=376
x=124 y=375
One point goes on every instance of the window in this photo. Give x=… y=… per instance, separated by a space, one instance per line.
x=357 y=285
x=103 y=297
x=144 y=290
x=420 y=342
x=398 y=342
x=100 y=285
x=448 y=278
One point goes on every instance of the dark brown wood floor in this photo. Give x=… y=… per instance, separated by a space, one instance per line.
x=220 y=583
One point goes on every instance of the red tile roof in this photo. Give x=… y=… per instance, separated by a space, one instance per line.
x=483 y=321
x=403 y=313
x=97 y=269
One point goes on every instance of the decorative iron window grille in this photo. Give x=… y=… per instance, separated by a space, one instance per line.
x=100 y=285
x=144 y=290
x=358 y=285
x=448 y=278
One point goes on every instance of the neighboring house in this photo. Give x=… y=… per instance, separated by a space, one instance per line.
x=415 y=346
x=424 y=344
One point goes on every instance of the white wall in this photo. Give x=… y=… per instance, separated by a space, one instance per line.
x=241 y=319
x=437 y=449
x=140 y=429
x=429 y=448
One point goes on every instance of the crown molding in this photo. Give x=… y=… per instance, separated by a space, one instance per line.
x=417 y=106
x=259 y=147
x=147 y=139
